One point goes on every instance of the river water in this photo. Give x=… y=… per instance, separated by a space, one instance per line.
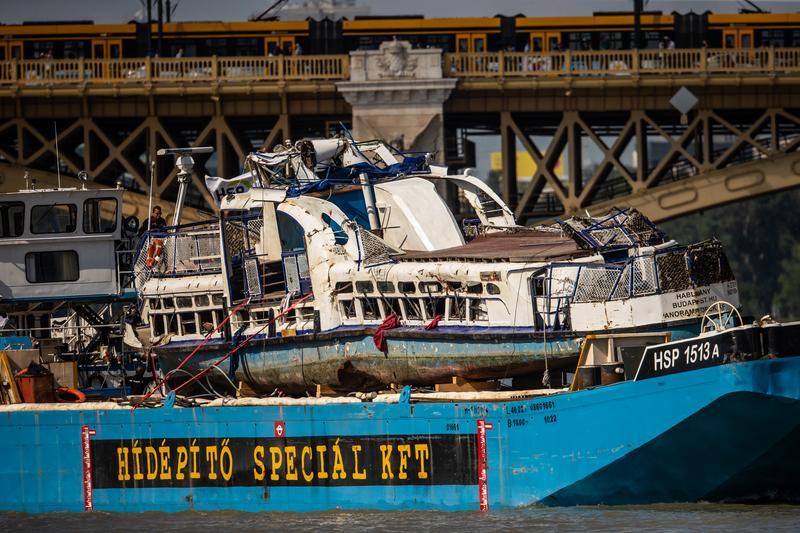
x=694 y=517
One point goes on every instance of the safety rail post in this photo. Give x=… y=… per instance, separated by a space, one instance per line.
x=771 y=59
x=568 y=61
x=635 y=61
x=345 y=66
x=81 y=70
x=501 y=64
x=214 y=68
x=148 y=69
x=281 y=74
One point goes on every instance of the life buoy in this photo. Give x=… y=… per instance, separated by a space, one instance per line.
x=154 y=253
x=67 y=395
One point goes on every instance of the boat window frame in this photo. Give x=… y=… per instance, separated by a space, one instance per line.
x=85 y=221
x=4 y=207
x=73 y=210
x=64 y=280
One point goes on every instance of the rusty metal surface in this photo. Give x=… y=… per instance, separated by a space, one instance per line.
x=524 y=246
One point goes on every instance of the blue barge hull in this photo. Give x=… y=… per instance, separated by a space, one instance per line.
x=726 y=433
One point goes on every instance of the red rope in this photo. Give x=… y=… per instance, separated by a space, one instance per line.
x=205 y=340
x=236 y=349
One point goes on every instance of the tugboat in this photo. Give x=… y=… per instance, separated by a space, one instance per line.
x=343 y=267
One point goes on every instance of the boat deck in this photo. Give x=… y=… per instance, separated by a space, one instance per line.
x=512 y=247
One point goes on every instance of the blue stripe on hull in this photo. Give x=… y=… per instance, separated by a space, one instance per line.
x=677 y=438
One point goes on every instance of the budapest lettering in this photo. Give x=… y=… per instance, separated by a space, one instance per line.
x=325 y=461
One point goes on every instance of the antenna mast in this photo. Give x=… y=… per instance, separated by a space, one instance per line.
x=58 y=157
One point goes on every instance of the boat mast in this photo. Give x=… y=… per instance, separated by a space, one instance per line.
x=184 y=163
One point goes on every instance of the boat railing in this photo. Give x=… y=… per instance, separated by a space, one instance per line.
x=183 y=251
x=670 y=270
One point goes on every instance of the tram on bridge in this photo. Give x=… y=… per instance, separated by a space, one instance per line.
x=600 y=31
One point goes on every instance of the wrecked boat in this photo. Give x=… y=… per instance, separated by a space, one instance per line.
x=343 y=266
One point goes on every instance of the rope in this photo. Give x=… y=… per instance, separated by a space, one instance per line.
x=204 y=341
x=240 y=345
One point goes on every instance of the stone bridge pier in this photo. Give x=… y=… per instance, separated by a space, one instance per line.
x=397 y=94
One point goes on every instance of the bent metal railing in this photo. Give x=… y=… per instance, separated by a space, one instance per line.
x=37 y=72
x=173 y=70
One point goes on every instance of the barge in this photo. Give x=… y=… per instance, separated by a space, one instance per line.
x=712 y=418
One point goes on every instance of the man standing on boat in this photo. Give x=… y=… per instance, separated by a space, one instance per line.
x=156 y=221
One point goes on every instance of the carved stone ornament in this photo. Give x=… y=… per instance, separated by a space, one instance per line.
x=396 y=61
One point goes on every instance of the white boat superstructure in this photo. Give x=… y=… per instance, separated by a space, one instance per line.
x=355 y=237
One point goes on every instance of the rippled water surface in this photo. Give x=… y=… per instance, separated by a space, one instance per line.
x=697 y=517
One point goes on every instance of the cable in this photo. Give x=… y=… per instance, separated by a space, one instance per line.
x=241 y=344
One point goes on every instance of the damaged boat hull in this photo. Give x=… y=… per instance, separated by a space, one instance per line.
x=348 y=360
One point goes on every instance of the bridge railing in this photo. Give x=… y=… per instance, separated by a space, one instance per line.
x=336 y=67
x=622 y=62
x=172 y=70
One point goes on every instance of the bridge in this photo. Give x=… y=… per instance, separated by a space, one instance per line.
x=598 y=125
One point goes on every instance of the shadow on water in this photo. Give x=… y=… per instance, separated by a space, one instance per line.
x=697 y=517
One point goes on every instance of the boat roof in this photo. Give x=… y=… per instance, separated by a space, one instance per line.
x=524 y=246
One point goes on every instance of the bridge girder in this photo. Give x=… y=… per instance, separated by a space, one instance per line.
x=114 y=139
x=663 y=156
x=713 y=188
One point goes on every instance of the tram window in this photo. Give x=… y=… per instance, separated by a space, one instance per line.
x=74 y=49
x=537 y=44
x=652 y=39
x=12 y=219
x=747 y=40
x=463 y=45
x=580 y=41
x=50 y=267
x=480 y=44
x=100 y=215
x=245 y=47
x=611 y=40
x=795 y=40
x=772 y=37
x=56 y=218
x=730 y=41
